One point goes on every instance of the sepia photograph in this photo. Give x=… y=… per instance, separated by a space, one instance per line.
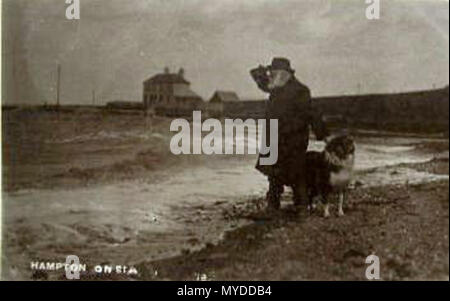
x=225 y=140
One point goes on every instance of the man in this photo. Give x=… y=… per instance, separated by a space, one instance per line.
x=290 y=103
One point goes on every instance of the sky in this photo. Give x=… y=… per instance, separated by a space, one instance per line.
x=118 y=44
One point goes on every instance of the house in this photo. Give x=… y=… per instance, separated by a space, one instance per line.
x=224 y=96
x=170 y=94
x=219 y=102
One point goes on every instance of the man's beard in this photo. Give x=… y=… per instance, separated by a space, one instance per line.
x=279 y=79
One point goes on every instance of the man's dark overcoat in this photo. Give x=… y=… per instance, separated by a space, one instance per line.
x=292 y=106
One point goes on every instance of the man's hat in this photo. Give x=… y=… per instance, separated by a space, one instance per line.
x=281 y=63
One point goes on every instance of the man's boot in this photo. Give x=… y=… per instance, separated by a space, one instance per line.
x=274 y=194
x=300 y=193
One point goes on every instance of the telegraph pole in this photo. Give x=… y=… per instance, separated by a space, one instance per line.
x=58 y=85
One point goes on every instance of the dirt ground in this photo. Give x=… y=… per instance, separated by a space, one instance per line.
x=105 y=187
x=406 y=227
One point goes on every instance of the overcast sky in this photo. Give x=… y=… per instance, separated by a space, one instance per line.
x=117 y=44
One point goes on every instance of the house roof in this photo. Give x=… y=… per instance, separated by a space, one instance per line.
x=183 y=91
x=225 y=96
x=167 y=78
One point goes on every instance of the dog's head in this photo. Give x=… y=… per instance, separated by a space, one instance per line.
x=341 y=146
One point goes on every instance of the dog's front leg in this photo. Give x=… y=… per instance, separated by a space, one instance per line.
x=341 y=203
x=326 y=207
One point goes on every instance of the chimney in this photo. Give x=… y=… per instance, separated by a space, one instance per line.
x=166 y=70
x=181 y=72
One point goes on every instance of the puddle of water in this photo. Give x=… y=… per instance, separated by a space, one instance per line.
x=369 y=156
x=397 y=176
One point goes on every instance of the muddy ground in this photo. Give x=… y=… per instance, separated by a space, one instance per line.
x=407 y=228
x=106 y=188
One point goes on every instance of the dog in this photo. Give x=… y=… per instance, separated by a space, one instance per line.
x=330 y=171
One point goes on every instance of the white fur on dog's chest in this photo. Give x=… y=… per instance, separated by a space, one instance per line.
x=340 y=178
x=343 y=177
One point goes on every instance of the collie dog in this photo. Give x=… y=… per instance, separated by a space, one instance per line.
x=330 y=172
